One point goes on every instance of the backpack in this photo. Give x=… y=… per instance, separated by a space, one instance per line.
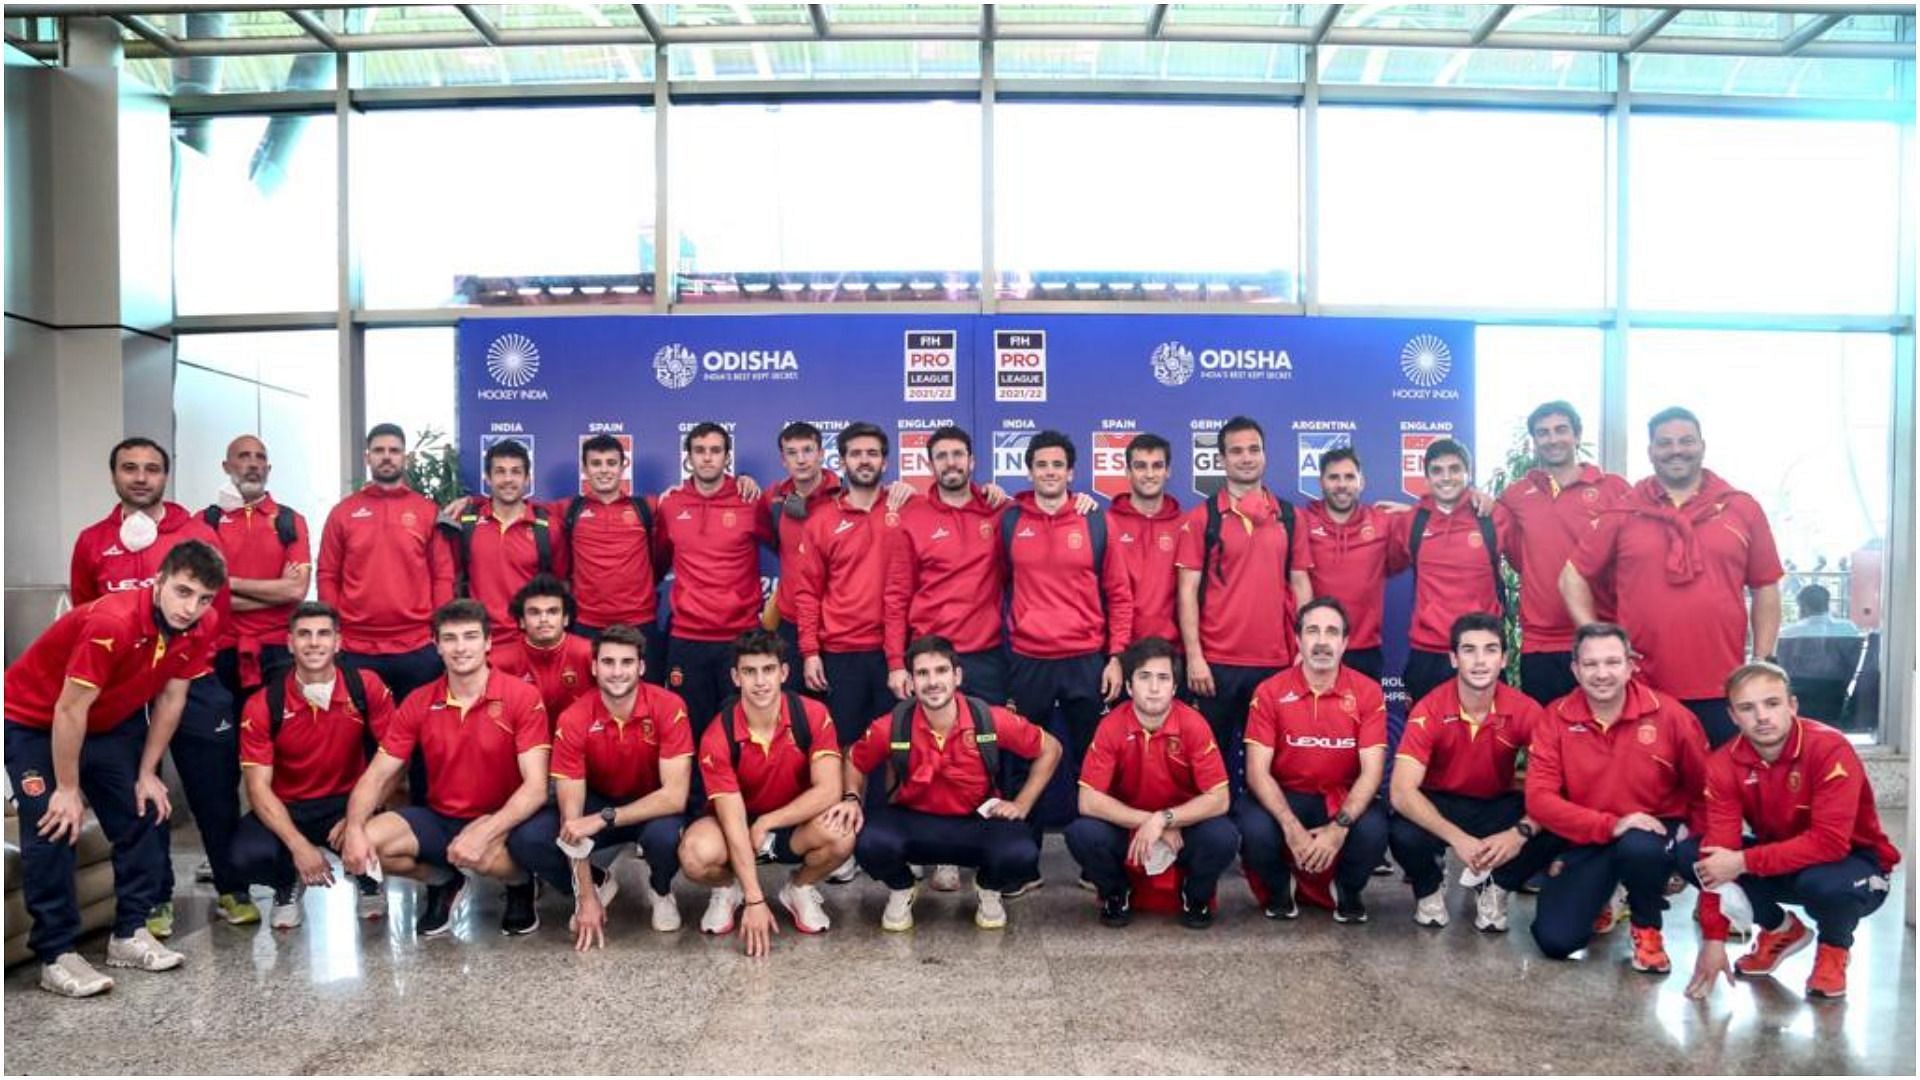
x=1210 y=543
x=1488 y=535
x=985 y=741
x=798 y=724
x=1096 y=530
x=275 y=687
x=283 y=525
x=463 y=546
x=579 y=503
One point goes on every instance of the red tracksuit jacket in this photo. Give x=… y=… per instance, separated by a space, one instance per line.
x=712 y=544
x=839 y=577
x=1057 y=609
x=945 y=576
x=1146 y=547
x=385 y=568
x=1581 y=780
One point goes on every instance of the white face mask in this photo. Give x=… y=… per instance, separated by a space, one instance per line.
x=319 y=695
x=138 y=531
x=228 y=497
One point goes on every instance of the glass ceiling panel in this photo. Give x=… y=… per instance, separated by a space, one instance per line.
x=1746 y=25
x=437 y=19
x=913 y=14
x=1859 y=28
x=732 y=14
x=223 y=24
x=1267 y=15
x=559 y=16
x=1553 y=19
x=1105 y=14
x=1413 y=16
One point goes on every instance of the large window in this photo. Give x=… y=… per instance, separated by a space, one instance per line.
x=1455 y=207
x=1178 y=201
x=280 y=386
x=410 y=381
x=797 y=190
x=450 y=194
x=1519 y=367
x=1763 y=215
x=254 y=214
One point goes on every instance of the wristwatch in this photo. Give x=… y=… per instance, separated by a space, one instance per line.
x=1525 y=829
x=1166 y=818
x=608 y=815
x=1343 y=819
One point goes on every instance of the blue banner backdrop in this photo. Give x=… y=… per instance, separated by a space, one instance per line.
x=1386 y=386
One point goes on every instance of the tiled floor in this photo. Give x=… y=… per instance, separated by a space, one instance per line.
x=1055 y=992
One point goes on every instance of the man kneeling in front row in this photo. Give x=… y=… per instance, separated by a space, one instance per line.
x=1816 y=838
x=622 y=763
x=1153 y=776
x=484 y=738
x=942 y=752
x=303 y=746
x=771 y=765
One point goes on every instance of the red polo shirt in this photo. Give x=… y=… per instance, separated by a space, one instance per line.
x=620 y=758
x=1811 y=806
x=1549 y=522
x=502 y=558
x=790 y=530
x=319 y=753
x=945 y=774
x=712 y=544
x=1464 y=755
x=1454 y=576
x=1316 y=738
x=1248 y=616
x=472 y=749
x=771 y=774
x=250 y=542
x=1582 y=779
x=102 y=565
x=1681 y=574
x=945 y=576
x=562 y=674
x=1153 y=770
x=1145 y=549
x=836 y=577
x=1352 y=560
x=1060 y=599
x=112 y=645
x=384 y=568
x=610 y=552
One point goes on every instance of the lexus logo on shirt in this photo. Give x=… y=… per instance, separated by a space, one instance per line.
x=1321 y=742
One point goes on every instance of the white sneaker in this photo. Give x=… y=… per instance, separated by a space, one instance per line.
x=287 y=916
x=945 y=879
x=71 y=976
x=804 y=904
x=845 y=873
x=142 y=951
x=899 y=914
x=1431 y=909
x=1614 y=913
x=721 y=907
x=991 y=914
x=666 y=913
x=1490 y=909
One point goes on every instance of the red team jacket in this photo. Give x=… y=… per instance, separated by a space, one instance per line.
x=712 y=543
x=1351 y=562
x=102 y=565
x=945 y=576
x=502 y=559
x=111 y=645
x=1454 y=576
x=610 y=553
x=790 y=531
x=1581 y=779
x=384 y=568
x=1057 y=607
x=252 y=546
x=1145 y=547
x=1549 y=522
x=838 y=577
x=562 y=674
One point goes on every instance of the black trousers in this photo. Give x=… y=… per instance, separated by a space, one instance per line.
x=1423 y=855
x=1226 y=713
x=1072 y=684
x=1546 y=677
x=857 y=692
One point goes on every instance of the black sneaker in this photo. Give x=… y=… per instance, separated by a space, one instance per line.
x=523 y=912
x=1283 y=908
x=1348 y=909
x=1196 y=914
x=436 y=913
x=1116 y=909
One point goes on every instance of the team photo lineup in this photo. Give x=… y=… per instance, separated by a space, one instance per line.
x=499 y=693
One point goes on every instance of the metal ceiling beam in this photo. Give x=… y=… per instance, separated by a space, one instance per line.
x=817 y=14
x=314 y=28
x=652 y=22
x=158 y=38
x=1654 y=24
x=1806 y=35
x=1157 y=21
x=1325 y=24
x=481 y=24
x=1490 y=23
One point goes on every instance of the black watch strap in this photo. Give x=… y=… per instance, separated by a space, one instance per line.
x=609 y=815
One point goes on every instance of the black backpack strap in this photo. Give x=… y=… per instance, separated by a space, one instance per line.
x=1420 y=519
x=542 y=539
x=642 y=510
x=899 y=746
x=1490 y=537
x=1209 y=548
x=356 y=689
x=212 y=515
x=1286 y=521
x=798 y=724
x=274 y=687
x=725 y=719
x=1009 y=524
x=460 y=539
x=986 y=741
x=574 y=506
x=284 y=528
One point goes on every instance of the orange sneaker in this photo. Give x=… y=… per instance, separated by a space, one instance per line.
x=1613 y=914
x=1650 y=951
x=1774 y=946
x=1829 y=979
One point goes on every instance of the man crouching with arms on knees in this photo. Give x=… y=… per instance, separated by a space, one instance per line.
x=771 y=765
x=484 y=738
